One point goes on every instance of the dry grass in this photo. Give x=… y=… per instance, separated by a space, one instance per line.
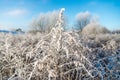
x=45 y=57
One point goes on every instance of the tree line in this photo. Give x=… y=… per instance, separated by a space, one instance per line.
x=85 y=22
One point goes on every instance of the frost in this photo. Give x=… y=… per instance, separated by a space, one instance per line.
x=58 y=55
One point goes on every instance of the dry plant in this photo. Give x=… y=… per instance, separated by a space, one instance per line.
x=58 y=55
x=94 y=28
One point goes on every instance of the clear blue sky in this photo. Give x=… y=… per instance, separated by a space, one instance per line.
x=19 y=13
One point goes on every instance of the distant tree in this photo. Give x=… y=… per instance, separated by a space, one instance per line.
x=19 y=30
x=45 y=22
x=115 y=32
x=82 y=19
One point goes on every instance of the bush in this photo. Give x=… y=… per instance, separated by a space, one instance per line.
x=94 y=28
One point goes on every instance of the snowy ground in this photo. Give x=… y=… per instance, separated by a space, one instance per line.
x=59 y=56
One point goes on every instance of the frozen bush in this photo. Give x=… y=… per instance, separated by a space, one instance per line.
x=94 y=28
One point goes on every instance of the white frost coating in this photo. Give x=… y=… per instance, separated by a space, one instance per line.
x=62 y=9
x=57 y=31
x=58 y=55
x=60 y=19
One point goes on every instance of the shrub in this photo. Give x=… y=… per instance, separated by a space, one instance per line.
x=94 y=28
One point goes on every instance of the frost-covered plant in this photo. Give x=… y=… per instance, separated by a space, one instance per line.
x=94 y=28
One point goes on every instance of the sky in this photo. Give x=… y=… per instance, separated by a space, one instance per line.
x=19 y=13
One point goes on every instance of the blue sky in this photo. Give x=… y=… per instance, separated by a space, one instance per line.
x=19 y=13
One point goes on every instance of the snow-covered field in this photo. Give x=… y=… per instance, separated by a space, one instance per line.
x=59 y=56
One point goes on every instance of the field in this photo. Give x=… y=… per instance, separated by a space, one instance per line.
x=59 y=55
